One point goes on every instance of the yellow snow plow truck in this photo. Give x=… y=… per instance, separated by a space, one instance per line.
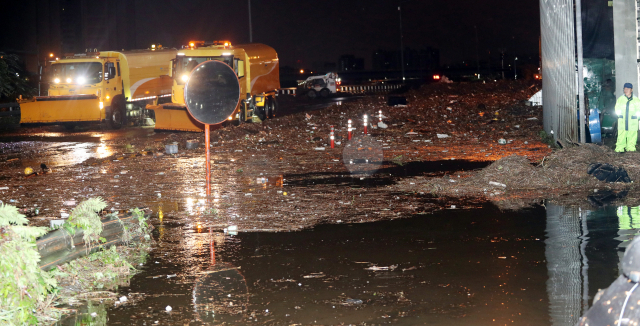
x=256 y=66
x=107 y=86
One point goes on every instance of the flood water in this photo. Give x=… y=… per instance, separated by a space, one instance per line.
x=481 y=266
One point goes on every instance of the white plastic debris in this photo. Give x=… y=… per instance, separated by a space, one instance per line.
x=4 y=188
x=64 y=215
x=94 y=314
x=168 y=308
x=70 y=203
x=56 y=223
x=123 y=299
x=498 y=184
x=319 y=148
x=411 y=133
x=382 y=125
x=441 y=136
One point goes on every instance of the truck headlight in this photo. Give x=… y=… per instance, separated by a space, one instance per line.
x=81 y=80
x=57 y=80
x=185 y=78
x=101 y=105
x=68 y=80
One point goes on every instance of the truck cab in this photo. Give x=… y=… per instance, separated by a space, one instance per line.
x=87 y=74
x=255 y=65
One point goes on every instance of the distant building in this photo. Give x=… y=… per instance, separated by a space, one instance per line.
x=414 y=59
x=349 y=62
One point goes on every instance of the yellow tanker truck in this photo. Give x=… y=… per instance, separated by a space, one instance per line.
x=102 y=86
x=256 y=65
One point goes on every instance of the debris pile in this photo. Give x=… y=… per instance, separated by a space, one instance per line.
x=562 y=173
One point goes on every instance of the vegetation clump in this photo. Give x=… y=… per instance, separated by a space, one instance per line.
x=28 y=294
x=26 y=291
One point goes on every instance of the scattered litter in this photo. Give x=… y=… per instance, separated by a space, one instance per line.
x=411 y=133
x=70 y=203
x=608 y=173
x=319 y=148
x=315 y=275
x=4 y=188
x=56 y=223
x=171 y=148
x=94 y=314
x=352 y=302
x=497 y=184
x=382 y=125
x=441 y=136
x=381 y=268
x=502 y=141
x=192 y=144
x=123 y=299
x=168 y=308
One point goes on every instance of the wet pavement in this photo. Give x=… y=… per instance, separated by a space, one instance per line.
x=477 y=266
x=56 y=146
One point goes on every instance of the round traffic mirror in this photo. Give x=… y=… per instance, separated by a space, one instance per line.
x=212 y=92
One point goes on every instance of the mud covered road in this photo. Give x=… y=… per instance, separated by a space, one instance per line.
x=281 y=174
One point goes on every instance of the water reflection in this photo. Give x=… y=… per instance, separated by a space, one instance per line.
x=584 y=250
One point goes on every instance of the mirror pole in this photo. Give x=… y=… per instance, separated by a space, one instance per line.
x=207 y=140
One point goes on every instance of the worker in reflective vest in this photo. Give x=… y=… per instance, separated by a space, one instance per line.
x=628 y=112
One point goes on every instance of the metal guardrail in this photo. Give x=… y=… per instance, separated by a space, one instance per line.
x=351 y=89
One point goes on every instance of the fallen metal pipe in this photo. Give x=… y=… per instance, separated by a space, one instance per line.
x=59 y=247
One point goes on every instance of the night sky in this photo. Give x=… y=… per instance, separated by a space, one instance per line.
x=304 y=32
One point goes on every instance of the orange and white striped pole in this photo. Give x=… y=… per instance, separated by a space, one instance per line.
x=349 y=129
x=332 y=138
x=365 y=124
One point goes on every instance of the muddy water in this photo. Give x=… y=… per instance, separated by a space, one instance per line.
x=464 y=267
x=457 y=267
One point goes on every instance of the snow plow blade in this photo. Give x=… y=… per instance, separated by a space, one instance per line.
x=55 y=109
x=175 y=117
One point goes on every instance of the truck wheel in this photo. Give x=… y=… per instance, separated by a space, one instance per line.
x=325 y=92
x=312 y=94
x=261 y=112
x=115 y=115
x=241 y=114
x=273 y=105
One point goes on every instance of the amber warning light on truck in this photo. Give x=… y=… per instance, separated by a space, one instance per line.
x=436 y=77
